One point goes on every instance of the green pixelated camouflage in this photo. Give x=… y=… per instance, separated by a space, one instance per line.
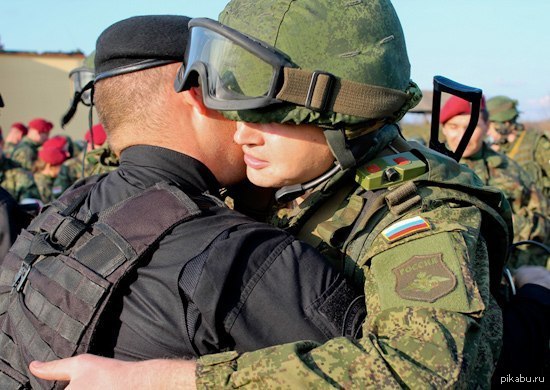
x=529 y=206
x=17 y=181
x=369 y=49
x=502 y=109
x=8 y=149
x=44 y=183
x=26 y=153
x=531 y=150
x=452 y=342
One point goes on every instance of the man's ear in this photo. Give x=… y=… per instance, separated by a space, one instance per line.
x=193 y=97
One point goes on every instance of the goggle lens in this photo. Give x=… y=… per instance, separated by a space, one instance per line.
x=234 y=73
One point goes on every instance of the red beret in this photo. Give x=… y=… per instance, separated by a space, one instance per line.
x=55 y=142
x=41 y=125
x=21 y=127
x=99 y=135
x=457 y=106
x=53 y=155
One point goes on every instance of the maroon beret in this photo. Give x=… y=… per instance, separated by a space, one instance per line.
x=21 y=127
x=457 y=106
x=53 y=155
x=41 y=125
x=99 y=135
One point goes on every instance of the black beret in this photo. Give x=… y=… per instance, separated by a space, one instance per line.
x=139 y=43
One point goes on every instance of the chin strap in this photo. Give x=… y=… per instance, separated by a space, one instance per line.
x=74 y=104
x=348 y=155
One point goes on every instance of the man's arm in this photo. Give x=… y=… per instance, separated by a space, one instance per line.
x=433 y=324
x=95 y=372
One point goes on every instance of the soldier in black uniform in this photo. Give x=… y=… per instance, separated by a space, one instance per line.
x=205 y=278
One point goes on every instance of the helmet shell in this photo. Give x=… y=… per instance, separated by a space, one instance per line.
x=360 y=41
x=502 y=109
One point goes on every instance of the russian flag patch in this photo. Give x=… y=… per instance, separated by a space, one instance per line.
x=405 y=228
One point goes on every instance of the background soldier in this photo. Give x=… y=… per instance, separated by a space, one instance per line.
x=17 y=181
x=529 y=147
x=26 y=152
x=529 y=205
x=50 y=157
x=16 y=133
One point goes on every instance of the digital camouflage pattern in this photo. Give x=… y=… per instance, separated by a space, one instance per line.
x=9 y=148
x=531 y=150
x=26 y=153
x=431 y=319
x=98 y=161
x=17 y=181
x=44 y=183
x=368 y=49
x=529 y=205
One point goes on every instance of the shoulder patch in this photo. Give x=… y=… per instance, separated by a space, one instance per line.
x=405 y=228
x=424 y=278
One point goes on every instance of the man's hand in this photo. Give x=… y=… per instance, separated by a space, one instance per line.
x=532 y=274
x=95 y=372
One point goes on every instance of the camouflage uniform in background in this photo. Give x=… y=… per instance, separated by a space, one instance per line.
x=44 y=183
x=9 y=148
x=529 y=206
x=98 y=161
x=17 y=181
x=420 y=248
x=26 y=153
x=530 y=148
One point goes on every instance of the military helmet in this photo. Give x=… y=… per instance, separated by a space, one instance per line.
x=362 y=42
x=502 y=109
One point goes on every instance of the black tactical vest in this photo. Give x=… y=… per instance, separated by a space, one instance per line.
x=59 y=275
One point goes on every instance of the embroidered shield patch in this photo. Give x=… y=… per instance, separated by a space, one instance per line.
x=424 y=278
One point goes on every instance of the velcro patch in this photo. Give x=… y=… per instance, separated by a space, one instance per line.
x=424 y=278
x=405 y=228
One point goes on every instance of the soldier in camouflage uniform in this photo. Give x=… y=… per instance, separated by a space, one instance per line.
x=410 y=236
x=17 y=131
x=529 y=147
x=26 y=151
x=16 y=180
x=529 y=205
x=98 y=159
x=50 y=157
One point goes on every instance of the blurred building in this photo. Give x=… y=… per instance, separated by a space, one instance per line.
x=38 y=85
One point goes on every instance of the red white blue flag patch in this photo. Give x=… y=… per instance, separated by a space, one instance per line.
x=405 y=228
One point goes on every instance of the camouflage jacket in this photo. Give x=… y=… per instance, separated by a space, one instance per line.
x=17 y=181
x=531 y=150
x=98 y=161
x=44 y=184
x=25 y=153
x=417 y=249
x=9 y=148
x=529 y=206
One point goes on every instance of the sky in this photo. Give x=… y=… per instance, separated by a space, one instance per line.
x=500 y=46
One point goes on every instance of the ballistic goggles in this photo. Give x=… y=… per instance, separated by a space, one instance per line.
x=238 y=72
x=81 y=77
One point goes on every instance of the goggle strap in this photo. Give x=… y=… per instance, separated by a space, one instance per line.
x=321 y=91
